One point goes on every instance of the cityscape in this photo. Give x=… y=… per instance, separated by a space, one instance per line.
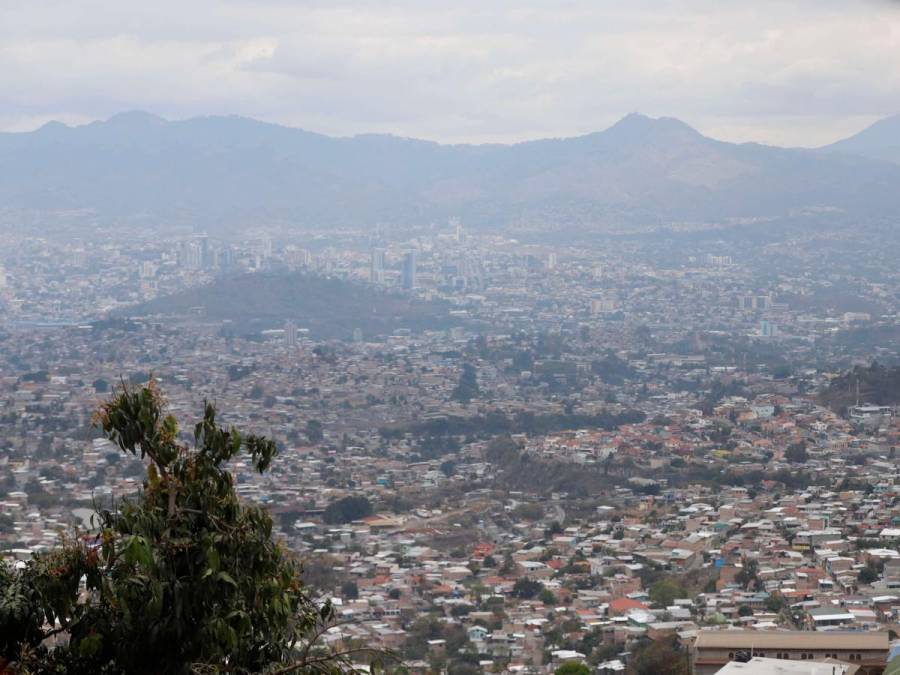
x=649 y=440
x=450 y=338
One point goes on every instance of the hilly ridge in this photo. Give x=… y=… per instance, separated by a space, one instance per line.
x=880 y=141
x=222 y=172
x=328 y=307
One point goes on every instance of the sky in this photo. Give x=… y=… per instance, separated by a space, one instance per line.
x=798 y=73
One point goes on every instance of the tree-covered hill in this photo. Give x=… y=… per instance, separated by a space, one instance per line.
x=876 y=384
x=328 y=307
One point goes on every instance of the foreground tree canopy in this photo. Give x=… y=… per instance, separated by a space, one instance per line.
x=181 y=578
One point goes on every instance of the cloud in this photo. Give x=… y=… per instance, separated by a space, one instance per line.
x=798 y=73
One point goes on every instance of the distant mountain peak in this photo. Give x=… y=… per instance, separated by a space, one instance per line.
x=53 y=126
x=880 y=141
x=636 y=129
x=639 y=123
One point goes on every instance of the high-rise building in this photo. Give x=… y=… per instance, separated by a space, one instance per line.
x=551 y=261
x=376 y=266
x=191 y=255
x=457 y=229
x=205 y=252
x=409 y=270
x=290 y=334
x=226 y=259
x=148 y=269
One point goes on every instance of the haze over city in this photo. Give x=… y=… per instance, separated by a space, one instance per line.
x=432 y=338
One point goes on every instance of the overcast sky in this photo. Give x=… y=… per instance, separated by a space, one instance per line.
x=802 y=72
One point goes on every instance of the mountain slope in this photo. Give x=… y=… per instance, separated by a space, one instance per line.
x=880 y=141
x=229 y=171
x=329 y=308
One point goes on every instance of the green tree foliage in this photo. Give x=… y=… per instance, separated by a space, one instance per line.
x=350 y=590
x=314 y=431
x=749 y=574
x=876 y=384
x=775 y=602
x=467 y=388
x=796 y=452
x=868 y=574
x=526 y=588
x=7 y=524
x=572 y=668
x=181 y=578
x=659 y=657
x=664 y=592
x=347 y=509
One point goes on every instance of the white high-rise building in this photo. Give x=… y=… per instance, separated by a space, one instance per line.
x=376 y=266
x=290 y=334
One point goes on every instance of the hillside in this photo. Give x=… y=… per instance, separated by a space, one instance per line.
x=225 y=172
x=876 y=384
x=329 y=308
x=880 y=141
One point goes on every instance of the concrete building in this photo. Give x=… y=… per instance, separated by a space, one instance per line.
x=715 y=649
x=767 y=666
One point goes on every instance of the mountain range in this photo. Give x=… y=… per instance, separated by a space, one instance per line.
x=226 y=172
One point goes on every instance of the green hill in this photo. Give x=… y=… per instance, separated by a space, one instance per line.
x=329 y=308
x=876 y=384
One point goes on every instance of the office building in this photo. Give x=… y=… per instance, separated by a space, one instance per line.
x=714 y=649
x=376 y=266
x=409 y=270
x=290 y=334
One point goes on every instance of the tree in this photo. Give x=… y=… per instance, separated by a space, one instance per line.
x=748 y=573
x=350 y=590
x=775 y=602
x=665 y=591
x=796 y=452
x=314 y=431
x=526 y=588
x=546 y=596
x=7 y=524
x=181 y=578
x=659 y=657
x=467 y=388
x=347 y=509
x=572 y=668
x=868 y=574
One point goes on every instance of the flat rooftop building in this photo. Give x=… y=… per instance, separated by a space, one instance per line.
x=765 y=666
x=714 y=649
